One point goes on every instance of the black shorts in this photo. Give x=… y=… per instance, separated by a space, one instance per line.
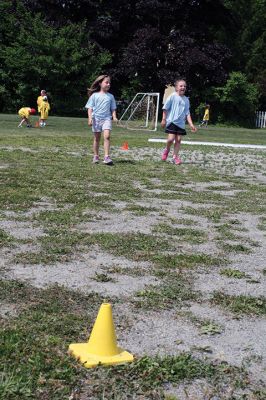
x=175 y=130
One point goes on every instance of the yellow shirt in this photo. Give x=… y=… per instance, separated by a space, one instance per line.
x=44 y=109
x=206 y=115
x=39 y=102
x=24 y=112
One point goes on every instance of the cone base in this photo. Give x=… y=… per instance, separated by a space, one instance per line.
x=80 y=352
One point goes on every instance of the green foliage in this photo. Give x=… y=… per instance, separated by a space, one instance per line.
x=233 y=273
x=248 y=44
x=241 y=304
x=38 y=55
x=237 y=100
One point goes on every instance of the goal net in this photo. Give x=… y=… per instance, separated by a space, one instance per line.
x=142 y=112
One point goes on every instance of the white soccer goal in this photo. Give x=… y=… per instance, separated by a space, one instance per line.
x=260 y=121
x=142 y=112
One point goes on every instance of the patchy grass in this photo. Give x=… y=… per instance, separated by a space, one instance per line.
x=34 y=345
x=262 y=224
x=183 y=221
x=233 y=273
x=136 y=246
x=37 y=366
x=186 y=261
x=146 y=378
x=5 y=238
x=174 y=291
x=58 y=246
x=102 y=277
x=241 y=304
x=141 y=211
x=210 y=328
x=235 y=248
x=48 y=180
x=190 y=235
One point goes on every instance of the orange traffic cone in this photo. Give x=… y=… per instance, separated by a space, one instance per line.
x=102 y=346
x=124 y=146
x=37 y=125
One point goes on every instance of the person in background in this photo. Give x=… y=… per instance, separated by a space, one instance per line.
x=206 y=117
x=40 y=98
x=44 y=110
x=24 y=114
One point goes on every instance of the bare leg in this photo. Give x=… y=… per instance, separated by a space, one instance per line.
x=177 y=144
x=106 y=144
x=96 y=143
x=21 y=122
x=170 y=140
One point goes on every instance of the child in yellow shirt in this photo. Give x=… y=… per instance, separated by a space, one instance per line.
x=206 y=116
x=44 y=110
x=40 y=99
x=24 y=114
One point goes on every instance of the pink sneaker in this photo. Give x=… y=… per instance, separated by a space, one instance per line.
x=176 y=160
x=165 y=155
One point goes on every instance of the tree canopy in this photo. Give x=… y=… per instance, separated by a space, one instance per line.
x=143 y=44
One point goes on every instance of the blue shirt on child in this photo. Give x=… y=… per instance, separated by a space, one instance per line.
x=177 y=108
x=102 y=104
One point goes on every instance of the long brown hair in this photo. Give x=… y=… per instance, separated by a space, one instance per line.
x=95 y=87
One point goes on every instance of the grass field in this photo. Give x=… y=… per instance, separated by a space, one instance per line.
x=178 y=251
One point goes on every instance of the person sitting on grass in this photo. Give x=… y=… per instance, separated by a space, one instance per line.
x=24 y=114
x=175 y=113
x=44 y=110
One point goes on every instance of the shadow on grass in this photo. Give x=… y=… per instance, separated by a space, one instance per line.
x=125 y=162
x=201 y=162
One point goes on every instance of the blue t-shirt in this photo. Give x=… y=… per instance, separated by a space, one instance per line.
x=177 y=108
x=102 y=104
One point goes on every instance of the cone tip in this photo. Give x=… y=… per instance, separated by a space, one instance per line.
x=107 y=305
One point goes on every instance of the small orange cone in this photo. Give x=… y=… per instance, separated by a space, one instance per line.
x=37 y=125
x=102 y=346
x=124 y=146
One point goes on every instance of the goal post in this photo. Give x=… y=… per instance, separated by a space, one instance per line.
x=142 y=112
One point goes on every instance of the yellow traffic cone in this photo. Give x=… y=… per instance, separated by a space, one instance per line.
x=102 y=346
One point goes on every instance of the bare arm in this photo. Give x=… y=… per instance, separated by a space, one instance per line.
x=114 y=116
x=190 y=122
x=163 y=123
x=89 y=116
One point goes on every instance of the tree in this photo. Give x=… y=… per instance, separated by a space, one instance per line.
x=237 y=100
x=151 y=41
x=63 y=60
x=248 y=41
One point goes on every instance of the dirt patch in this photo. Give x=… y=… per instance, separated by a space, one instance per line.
x=251 y=264
x=81 y=274
x=241 y=342
x=21 y=230
x=8 y=310
x=127 y=222
x=238 y=162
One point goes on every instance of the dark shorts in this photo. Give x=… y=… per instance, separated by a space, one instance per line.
x=175 y=130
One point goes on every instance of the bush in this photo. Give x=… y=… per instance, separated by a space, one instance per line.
x=237 y=101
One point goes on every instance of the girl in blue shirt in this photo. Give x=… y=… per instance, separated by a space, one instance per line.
x=101 y=110
x=175 y=113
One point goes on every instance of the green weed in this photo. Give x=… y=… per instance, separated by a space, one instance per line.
x=241 y=304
